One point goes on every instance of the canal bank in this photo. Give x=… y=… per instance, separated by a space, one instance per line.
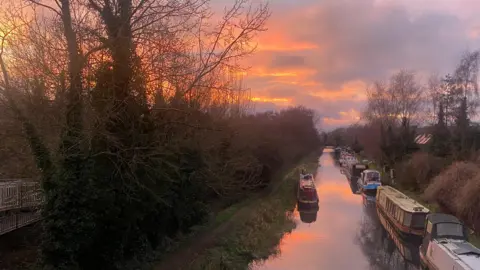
x=419 y=196
x=243 y=232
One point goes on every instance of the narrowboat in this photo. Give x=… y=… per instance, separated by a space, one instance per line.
x=354 y=172
x=445 y=245
x=368 y=183
x=406 y=214
x=407 y=248
x=307 y=192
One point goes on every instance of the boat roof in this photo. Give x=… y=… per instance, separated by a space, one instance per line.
x=307 y=183
x=403 y=201
x=464 y=251
x=360 y=165
x=442 y=218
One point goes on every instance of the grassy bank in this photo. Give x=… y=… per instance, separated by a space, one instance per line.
x=474 y=238
x=256 y=232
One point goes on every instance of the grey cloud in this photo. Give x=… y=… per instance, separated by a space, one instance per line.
x=287 y=61
x=361 y=41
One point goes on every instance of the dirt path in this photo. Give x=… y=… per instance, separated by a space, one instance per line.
x=184 y=257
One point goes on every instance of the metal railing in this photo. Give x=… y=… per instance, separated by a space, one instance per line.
x=13 y=221
x=18 y=194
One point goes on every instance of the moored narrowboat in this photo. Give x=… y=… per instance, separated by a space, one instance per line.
x=368 y=183
x=307 y=192
x=406 y=214
x=445 y=245
x=355 y=171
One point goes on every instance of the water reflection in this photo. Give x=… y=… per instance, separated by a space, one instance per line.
x=343 y=225
x=407 y=247
x=308 y=212
x=354 y=187
x=384 y=248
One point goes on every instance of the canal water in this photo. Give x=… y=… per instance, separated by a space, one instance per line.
x=343 y=233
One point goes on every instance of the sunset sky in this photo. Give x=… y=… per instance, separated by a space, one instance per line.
x=323 y=53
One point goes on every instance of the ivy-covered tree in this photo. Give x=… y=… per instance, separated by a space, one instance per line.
x=440 y=142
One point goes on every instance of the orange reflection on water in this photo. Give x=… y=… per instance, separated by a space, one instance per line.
x=330 y=190
x=314 y=245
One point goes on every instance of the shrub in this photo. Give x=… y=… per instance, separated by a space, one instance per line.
x=417 y=172
x=447 y=187
x=468 y=202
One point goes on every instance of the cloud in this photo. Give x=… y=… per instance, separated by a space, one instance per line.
x=323 y=54
x=288 y=61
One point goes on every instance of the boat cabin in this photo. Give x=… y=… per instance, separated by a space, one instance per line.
x=440 y=226
x=356 y=171
x=445 y=245
x=406 y=214
x=307 y=192
x=370 y=176
x=368 y=182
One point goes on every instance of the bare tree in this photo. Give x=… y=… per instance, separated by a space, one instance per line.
x=433 y=98
x=400 y=99
x=466 y=80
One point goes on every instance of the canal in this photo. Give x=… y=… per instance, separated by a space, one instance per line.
x=342 y=233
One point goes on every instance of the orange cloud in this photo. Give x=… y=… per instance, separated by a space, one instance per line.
x=277 y=74
x=275 y=40
x=345 y=118
x=354 y=90
x=274 y=100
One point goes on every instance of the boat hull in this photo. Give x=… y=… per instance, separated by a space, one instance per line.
x=407 y=247
x=307 y=196
x=369 y=199
x=424 y=263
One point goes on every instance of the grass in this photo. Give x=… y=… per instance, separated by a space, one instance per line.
x=256 y=234
x=435 y=208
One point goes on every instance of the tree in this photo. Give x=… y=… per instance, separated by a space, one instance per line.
x=395 y=106
x=389 y=103
x=440 y=144
x=117 y=176
x=466 y=82
x=357 y=147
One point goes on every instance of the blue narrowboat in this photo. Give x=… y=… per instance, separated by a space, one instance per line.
x=368 y=182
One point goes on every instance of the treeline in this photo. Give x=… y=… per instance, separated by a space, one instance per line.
x=134 y=116
x=442 y=163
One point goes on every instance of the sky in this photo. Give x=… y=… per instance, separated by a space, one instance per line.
x=322 y=54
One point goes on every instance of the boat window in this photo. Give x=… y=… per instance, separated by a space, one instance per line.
x=373 y=176
x=449 y=229
x=407 y=219
x=418 y=220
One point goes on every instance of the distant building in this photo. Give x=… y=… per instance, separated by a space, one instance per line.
x=423 y=138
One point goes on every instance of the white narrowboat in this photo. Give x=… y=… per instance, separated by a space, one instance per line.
x=445 y=245
x=407 y=215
